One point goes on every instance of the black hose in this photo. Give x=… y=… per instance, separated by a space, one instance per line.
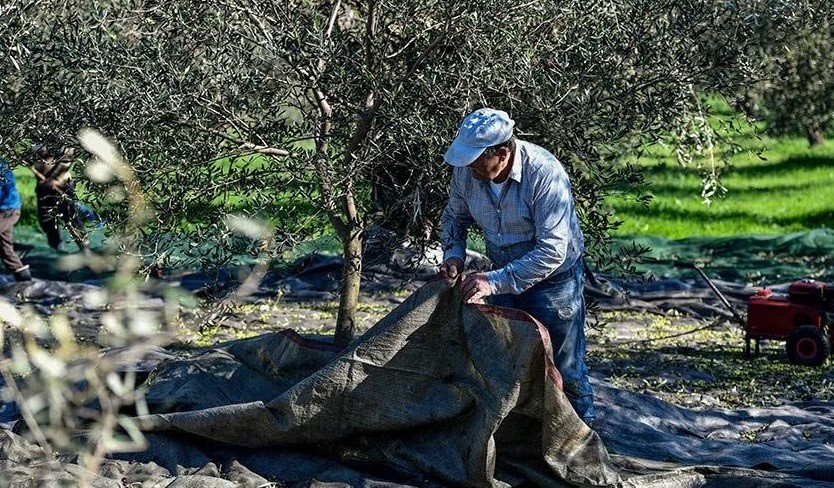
x=738 y=317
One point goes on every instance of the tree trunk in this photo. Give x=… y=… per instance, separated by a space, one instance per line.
x=351 y=275
x=815 y=136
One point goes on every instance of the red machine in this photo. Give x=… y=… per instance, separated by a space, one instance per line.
x=804 y=318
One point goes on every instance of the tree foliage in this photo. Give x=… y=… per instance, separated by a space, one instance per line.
x=333 y=116
x=795 y=90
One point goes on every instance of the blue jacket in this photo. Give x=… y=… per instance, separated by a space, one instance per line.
x=9 y=196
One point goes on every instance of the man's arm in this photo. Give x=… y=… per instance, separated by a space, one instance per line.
x=455 y=223
x=38 y=175
x=451 y=268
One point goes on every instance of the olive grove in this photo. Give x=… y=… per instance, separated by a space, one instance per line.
x=796 y=88
x=329 y=117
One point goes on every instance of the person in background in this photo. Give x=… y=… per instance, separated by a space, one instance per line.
x=9 y=215
x=55 y=191
x=520 y=196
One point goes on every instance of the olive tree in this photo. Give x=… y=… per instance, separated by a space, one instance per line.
x=309 y=113
x=794 y=91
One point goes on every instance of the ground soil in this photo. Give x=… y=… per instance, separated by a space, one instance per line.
x=683 y=360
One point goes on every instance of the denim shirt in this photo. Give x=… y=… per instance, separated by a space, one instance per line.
x=531 y=229
x=9 y=196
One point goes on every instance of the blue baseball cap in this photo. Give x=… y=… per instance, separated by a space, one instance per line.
x=479 y=130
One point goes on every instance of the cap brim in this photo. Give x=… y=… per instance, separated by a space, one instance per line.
x=459 y=154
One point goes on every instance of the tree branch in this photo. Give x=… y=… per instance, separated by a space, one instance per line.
x=242 y=144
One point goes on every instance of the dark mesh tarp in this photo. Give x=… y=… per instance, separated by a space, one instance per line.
x=748 y=259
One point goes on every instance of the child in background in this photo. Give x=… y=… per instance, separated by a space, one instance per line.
x=9 y=215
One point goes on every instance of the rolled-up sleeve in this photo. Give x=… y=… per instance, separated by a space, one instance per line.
x=455 y=221
x=552 y=207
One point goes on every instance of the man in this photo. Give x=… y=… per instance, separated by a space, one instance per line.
x=55 y=191
x=520 y=196
x=9 y=215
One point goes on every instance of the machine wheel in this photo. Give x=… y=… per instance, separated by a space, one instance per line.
x=808 y=345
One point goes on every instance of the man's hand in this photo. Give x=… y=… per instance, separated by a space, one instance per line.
x=451 y=268
x=475 y=287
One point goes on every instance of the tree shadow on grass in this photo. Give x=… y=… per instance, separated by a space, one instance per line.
x=769 y=168
x=813 y=220
x=785 y=166
x=670 y=190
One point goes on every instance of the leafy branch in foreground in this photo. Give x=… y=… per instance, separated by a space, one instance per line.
x=73 y=400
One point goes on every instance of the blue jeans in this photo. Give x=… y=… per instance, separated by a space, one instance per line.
x=559 y=303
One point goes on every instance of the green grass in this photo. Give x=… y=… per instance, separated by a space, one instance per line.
x=26 y=187
x=791 y=190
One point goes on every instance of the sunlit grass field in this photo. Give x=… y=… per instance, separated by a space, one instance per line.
x=791 y=189
x=26 y=187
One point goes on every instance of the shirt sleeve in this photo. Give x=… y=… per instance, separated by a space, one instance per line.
x=455 y=221
x=552 y=207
